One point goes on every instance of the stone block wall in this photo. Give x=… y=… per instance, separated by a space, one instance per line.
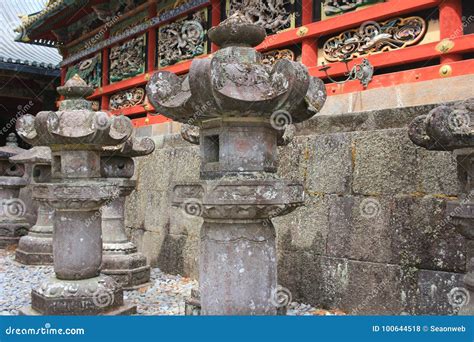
x=373 y=236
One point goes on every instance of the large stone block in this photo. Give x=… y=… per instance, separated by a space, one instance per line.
x=135 y=207
x=306 y=228
x=157 y=210
x=359 y=228
x=293 y=161
x=191 y=254
x=289 y=272
x=422 y=235
x=384 y=163
x=351 y=286
x=438 y=293
x=150 y=243
x=329 y=165
x=437 y=173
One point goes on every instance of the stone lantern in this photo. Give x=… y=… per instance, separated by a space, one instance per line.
x=76 y=136
x=243 y=110
x=36 y=248
x=120 y=258
x=13 y=223
x=451 y=128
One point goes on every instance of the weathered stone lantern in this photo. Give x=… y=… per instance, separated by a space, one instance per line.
x=13 y=224
x=76 y=136
x=451 y=128
x=120 y=258
x=242 y=108
x=36 y=248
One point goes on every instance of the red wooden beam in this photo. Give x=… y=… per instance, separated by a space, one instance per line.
x=149 y=120
x=179 y=68
x=460 y=68
x=346 y=21
x=450 y=25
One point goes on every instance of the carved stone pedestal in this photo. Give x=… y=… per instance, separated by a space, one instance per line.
x=13 y=224
x=237 y=265
x=76 y=191
x=451 y=128
x=120 y=259
x=246 y=111
x=36 y=248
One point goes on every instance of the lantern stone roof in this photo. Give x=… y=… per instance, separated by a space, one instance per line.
x=24 y=57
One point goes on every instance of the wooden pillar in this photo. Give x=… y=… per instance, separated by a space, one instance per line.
x=151 y=47
x=309 y=47
x=216 y=18
x=63 y=75
x=451 y=25
x=105 y=75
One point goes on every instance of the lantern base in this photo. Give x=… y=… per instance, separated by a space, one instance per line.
x=94 y=296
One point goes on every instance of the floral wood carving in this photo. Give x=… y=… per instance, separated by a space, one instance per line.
x=127 y=98
x=333 y=7
x=273 y=15
x=128 y=59
x=182 y=39
x=271 y=57
x=374 y=37
x=90 y=70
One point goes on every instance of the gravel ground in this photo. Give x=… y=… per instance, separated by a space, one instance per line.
x=165 y=295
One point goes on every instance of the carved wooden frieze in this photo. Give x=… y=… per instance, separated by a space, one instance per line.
x=129 y=24
x=273 y=15
x=374 y=37
x=182 y=39
x=90 y=70
x=127 y=98
x=128 y=59
x=333 y=7
x=271 y=57
x=83 y=50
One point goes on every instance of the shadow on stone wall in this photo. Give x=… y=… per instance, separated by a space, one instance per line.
x=372 y=237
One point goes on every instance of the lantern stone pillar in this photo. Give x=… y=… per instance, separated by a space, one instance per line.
x=120 y=258
x=76 y=136
x=13 y=223
x=36 y=248
x=243 y=110
x=451 y=128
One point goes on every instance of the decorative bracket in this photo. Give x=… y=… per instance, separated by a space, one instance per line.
x=363 y=72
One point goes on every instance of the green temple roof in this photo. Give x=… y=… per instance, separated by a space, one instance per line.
x=19 y=54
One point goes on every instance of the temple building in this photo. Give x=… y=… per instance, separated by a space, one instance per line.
x=414 y=49
x=29 y=74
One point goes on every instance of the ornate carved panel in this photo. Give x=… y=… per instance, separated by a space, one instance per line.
x=90 y=70
x=271 y=57
x=127 y=59
x=273 y=15
x=127 y=98
x=374 y=37
x=182 y=39
x=333 y=7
